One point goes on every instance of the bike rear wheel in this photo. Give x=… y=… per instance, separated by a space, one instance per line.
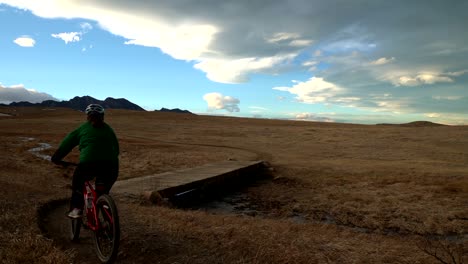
x=107 y=236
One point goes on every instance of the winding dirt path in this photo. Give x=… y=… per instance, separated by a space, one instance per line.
x=57 y=227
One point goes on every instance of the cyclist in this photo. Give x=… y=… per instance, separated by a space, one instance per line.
x=99 y=151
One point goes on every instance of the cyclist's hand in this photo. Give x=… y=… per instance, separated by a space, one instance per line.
x=65 y=164
x=56 y=162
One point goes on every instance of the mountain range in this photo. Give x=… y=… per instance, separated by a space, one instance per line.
x=80 y=103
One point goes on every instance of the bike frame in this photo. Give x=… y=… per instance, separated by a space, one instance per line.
x=91 y=213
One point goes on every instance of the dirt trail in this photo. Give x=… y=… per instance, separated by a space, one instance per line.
x=57 y=227
x=138 y=243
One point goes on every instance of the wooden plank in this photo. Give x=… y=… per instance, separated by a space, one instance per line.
x=169 y=184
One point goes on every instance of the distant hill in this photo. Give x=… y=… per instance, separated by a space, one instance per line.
x=175 y=110
x=421 y=124
x=417 y=124
x=80 y=103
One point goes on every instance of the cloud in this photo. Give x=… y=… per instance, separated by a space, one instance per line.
x=432 y=115
x=217 y=101
x=311 y=65
x=418 y=79
x=452 y=98
x=289 y=38
x=315 y=90
x=257 y=111
x=312 y=117
x=25 y=41
x=85 y=26
x=68 y=36
x=18 y=93
x=382 y=61
x=237 y=71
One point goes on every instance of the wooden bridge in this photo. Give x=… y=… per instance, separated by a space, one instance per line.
x=169 y=186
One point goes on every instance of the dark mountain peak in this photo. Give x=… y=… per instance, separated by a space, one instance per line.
x=81 y=102
x=110 y=102
x=22 y=103
x=175 y=110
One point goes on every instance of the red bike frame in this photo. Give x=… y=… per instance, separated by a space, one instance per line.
x=91 y=213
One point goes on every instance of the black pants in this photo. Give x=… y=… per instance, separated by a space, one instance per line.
x=105 y=172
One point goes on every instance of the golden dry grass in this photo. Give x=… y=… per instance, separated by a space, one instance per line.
x=364 y=194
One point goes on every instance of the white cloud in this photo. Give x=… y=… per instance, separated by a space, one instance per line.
x=303 y=116
x=85 y=26
x=433 y=115
x=312 y=117
x=237 y=71
x=300 y=43
x=351 y=38
x=419 y=79
x=383 y=61
x=18 y=93
x=217 y=101
x=452 y=98
x=315 y=90
x=68 y=36
x=309 y=63
x=293 y=39
x=457 y=73
x=282 y=36
x=395 y=106
x=184 y=42
x=25 y=41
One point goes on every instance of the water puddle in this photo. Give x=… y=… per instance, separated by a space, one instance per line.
x=37 y=150
x=239 y=203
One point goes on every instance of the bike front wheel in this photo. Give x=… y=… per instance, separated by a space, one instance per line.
x=107 y=235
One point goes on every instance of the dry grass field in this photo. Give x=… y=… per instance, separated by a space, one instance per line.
x=340 y=193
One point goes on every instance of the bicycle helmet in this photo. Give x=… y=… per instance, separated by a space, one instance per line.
x=94 y=109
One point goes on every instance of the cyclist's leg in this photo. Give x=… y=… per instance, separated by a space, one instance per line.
x=108 y=173
x=80 y=175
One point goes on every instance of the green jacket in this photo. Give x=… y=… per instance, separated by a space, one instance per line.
x=95 y=144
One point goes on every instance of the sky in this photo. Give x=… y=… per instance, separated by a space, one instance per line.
x=352 y=61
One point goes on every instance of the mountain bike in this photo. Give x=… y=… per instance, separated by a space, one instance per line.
x=100 y=215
